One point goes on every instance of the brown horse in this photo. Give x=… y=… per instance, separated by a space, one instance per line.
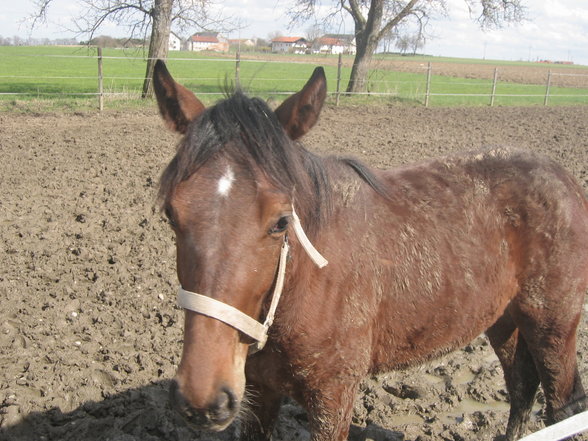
x=422 y=259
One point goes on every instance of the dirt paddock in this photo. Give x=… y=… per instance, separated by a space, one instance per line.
x=89 y=331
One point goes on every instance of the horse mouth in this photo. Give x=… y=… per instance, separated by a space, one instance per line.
x=216 y=417
x=203 y=421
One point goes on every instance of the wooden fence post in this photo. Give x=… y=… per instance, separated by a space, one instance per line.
x=494 y=87
x=238 y=69
x=100 y=82
x=428 y=91
x=547 y=88
x=339 y=63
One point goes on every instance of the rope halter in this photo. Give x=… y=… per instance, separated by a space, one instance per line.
x=239 y=320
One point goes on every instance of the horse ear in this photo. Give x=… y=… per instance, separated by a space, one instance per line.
x=178 y=106
x=300 y=112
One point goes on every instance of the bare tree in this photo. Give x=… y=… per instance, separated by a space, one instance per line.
x=389 y=39
x=313 y=32
x=413 y=42
x=142 y=18
x=273 y=35
x=374 y=19
x=403 y=44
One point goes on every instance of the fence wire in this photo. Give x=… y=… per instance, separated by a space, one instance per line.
x=421 y=89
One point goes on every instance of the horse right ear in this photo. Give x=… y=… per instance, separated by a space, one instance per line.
x=300 y=112
x=177 y=105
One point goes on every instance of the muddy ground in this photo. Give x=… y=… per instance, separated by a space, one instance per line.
x=89 y=331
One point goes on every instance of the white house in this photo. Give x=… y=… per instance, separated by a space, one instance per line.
x=208 y=41
x=175 y=42
x=335 y=44
x=292 y=45
x=243 y=42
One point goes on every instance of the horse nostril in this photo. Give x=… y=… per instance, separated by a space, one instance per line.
x=175 y=397
x=233 y=402
x=222 y=402
x=225 y=405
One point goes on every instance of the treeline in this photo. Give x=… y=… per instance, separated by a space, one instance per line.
x=19 y=41
x=108 y=41
x=101 y=41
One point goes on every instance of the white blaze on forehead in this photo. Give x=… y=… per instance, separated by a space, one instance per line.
x=226 y=182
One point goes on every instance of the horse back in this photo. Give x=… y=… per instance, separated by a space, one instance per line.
x=458 y=240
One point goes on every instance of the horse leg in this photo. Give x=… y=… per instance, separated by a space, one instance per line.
x=560 y=379
x=550 y=334
x=520 y=374
x=261 y=414
x=330 y=411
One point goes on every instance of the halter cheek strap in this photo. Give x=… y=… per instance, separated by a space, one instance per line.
x=232 y=316
x=239 y=320
x=316 y=257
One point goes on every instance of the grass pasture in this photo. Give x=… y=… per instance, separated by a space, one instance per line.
x=67 y=77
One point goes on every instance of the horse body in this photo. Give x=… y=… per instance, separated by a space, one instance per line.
x=462 y=247
x=422 y=259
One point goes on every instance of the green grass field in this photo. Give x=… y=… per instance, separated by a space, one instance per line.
x=67 y=77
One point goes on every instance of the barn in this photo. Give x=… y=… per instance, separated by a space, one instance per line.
x=174 y=42
x=289 y=45
x=208 y=41
x=335 y=44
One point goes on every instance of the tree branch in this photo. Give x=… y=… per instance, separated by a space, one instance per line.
x=407 y=10
x=41 y=16
x=355 y=11
x=495 y=13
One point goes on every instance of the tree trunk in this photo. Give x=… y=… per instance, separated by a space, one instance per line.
x=158 y=45
x=361 y=67
x=367 y=37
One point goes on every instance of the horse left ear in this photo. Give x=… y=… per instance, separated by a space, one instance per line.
x=300 y=112
x=178 y=106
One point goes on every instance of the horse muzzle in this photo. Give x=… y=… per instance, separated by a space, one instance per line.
x=216 y=415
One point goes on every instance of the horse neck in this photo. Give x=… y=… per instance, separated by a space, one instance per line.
x=347 y=202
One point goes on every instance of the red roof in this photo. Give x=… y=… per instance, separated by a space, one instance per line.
x=204 y=39
x=286 y=39
x=329 y=41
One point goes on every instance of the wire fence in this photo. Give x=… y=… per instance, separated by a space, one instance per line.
x=116 y=77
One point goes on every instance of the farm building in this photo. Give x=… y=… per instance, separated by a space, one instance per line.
x=292 y=45
x=174 y=42
x=334 y=44
x=208 y=41
x=243 y=42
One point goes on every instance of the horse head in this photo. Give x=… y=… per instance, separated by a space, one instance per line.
x=229 y=194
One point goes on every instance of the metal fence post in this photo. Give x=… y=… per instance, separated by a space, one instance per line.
x=339 y=63
x=428 y=91
x=100 y=82
x=547 y=88
x=238 y=69
x=494 y=87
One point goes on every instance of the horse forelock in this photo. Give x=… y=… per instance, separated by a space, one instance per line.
x=245 y=130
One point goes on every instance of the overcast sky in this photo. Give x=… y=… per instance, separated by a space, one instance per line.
x=556 y=30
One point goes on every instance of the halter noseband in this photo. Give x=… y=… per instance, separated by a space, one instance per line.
x=232 y=316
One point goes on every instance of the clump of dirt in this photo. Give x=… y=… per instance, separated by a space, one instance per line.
x=89 y=331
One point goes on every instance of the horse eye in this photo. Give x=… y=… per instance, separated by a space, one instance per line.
x=281 y=225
